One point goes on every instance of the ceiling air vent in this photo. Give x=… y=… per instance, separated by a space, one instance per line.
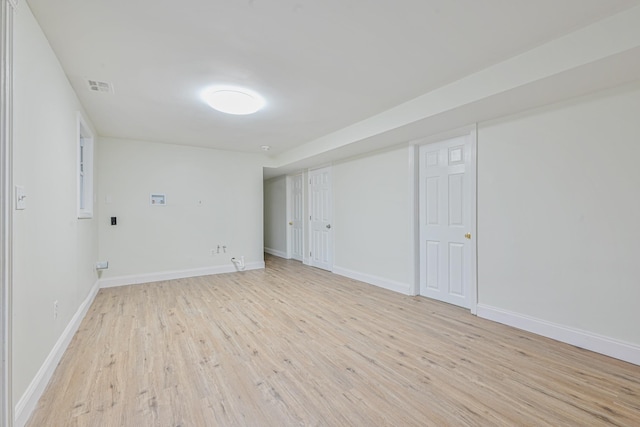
x=98 y=86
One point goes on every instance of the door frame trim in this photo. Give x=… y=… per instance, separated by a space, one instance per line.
x=7 y=9
x=287 y=189
x=414 y=208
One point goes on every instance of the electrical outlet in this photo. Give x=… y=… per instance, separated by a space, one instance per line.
x=55 y=310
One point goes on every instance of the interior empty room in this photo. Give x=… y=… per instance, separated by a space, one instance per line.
x=361 y=213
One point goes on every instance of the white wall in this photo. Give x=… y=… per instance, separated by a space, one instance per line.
x=54 y=252
x=371 y=199
x=557 y=211
x=213 y=198
x=275 y=216
x=558 y=214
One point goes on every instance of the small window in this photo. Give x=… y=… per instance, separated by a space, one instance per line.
x=85 y=170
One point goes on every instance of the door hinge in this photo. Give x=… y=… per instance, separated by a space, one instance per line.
x=309 y=254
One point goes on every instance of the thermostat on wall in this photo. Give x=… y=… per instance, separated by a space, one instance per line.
x=158 y=199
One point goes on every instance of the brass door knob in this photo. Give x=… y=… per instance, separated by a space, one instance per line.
x=290 y=222
x=467 y=236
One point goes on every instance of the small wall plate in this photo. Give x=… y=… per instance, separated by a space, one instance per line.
x=102 y=265
x=158 y=199
x=21 y=196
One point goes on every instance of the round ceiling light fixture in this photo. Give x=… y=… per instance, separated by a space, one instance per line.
x=233 y=100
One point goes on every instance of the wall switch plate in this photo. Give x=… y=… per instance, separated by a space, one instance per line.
x=21 y=198
x=102 y=265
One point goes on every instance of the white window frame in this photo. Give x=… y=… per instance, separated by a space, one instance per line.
x=84 y=163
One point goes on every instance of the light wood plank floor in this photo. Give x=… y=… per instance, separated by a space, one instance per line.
x=293 y=345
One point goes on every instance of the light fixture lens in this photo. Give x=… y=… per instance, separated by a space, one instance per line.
x=233 y=100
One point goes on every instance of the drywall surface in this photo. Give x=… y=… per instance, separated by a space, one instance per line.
x=371 y=216
x=275 y=214
x=557 y=65
x=213 y=199
x=54 y=251
x=558 y=211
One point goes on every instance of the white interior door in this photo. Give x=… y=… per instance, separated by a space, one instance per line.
x=447 y=215
x=296 y=217
x=320 y=242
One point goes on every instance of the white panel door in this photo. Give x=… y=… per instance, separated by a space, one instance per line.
x=446 y=215
x=320 y=243
x=296 y=217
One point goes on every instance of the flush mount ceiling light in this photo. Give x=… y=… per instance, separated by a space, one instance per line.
x=233 y=100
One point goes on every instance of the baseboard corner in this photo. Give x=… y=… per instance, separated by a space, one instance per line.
x=138 y=279
x=29 y=400
x=275 y=252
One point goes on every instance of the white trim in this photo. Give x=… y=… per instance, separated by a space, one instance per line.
x=176 y=274
x=584 y=339
x=473 y=174
x=6 y=210
x=443 y=136
x=277 y=253
x=306 y=243
x=287 y=198
x=30 y=398
x=381 y=282
x=414 y=214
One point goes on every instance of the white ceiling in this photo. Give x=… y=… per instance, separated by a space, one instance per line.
x=322 y=65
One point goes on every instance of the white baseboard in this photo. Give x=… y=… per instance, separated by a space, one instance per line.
x=176 y=274
x=600 y=344
x=276 y=252
x=403 y=288
x=29 y=399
